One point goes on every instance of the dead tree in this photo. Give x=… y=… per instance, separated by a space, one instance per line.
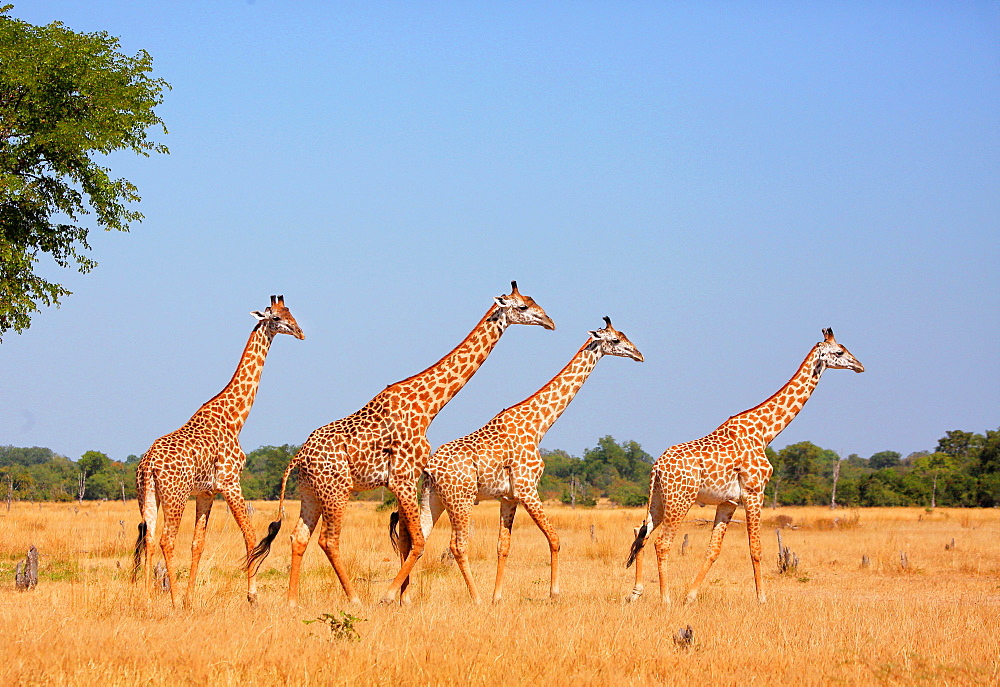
x=836 y=476
x=788 y=562
x=684 y=546
x=160 y=573
x=26 y=573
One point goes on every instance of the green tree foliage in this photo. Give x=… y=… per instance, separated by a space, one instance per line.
x=263 y=471
x=65 y=98
x=885 y=459
x=619 y=472
x=967 y=474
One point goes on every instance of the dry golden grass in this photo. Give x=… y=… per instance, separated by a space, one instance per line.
x=833 y=621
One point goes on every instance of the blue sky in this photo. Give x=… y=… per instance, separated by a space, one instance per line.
x=723 y=180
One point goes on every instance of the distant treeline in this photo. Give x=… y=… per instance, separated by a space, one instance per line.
x=962 y=470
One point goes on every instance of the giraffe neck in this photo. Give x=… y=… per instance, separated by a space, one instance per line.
x=772 y=416
x=549 y=402
x=237 y=397
x=439 y=383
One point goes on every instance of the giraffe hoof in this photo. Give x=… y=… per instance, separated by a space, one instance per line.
x=635 y=594
x=387 y=599
x=252 y=599
x=762 y=599
x=691 y=598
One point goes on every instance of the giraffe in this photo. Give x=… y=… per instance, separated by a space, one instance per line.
x=203 y=458
x=500 y=460
x=728 y=468
x=384 y=444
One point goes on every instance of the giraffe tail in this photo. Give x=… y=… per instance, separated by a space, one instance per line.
x=145 y=488
x=263 y=548
x=394 y=530
x=640 y=541
x=137 y=554
x=647 y=525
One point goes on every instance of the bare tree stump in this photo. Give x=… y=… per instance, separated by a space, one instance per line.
x=788 y=562
x=250 y=509
x=26 y=573
x=904 y=561
x=866 y=562
x=162 y=579
x=593 y=537
x=684 y=546
x=950 y=546
x=684 y=637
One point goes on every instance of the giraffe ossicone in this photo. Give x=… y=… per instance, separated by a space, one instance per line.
x=204 y=458
x=727 y=468
x=384 y=444
x=501 y=461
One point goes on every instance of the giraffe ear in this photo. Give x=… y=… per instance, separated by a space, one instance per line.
x=596 y=336
x=258 y=314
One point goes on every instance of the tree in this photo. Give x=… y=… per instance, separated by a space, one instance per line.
x=959 y=444
x=884 y=459
x=90 y=463
x=65 y=97
x=931 y=466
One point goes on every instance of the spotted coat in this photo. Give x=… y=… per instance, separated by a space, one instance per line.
x=384 y=444
x=728 y=468
x=501 y=461
x=203 y=458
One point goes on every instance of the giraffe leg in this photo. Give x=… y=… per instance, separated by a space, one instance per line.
x=149 y=543
x=662 y=545
x=431 y=508
x=405 y=544
x=329 y=540
x=752 y=504
x=238 y=507
x=655 y=518
x=723 y=514
x=533 y=505
x=409 y=514
x=173 y=510
x=203 y=509
x=508 y=508
x=309 y=514
x=460 y=514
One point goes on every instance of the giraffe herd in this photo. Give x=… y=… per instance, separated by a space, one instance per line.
x=384 y=444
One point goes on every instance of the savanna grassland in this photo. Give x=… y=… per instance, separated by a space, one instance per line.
x=831 y=621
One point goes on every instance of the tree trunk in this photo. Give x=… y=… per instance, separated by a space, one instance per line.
x=10 y=491
x=83 y=487
x=933 y=491
x=836 y=476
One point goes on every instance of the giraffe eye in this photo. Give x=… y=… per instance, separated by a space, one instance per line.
x=522 y=307
x=839 y=353
x=616 y=341
x=276 y=318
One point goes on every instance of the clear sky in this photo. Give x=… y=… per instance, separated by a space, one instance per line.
x=722 y=179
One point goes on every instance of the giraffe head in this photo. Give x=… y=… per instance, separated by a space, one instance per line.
x=515 y=308
x=277 y=319
x=610 y=341
x=835 y=356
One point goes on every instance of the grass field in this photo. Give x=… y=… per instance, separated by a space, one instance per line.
x=833 y=621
